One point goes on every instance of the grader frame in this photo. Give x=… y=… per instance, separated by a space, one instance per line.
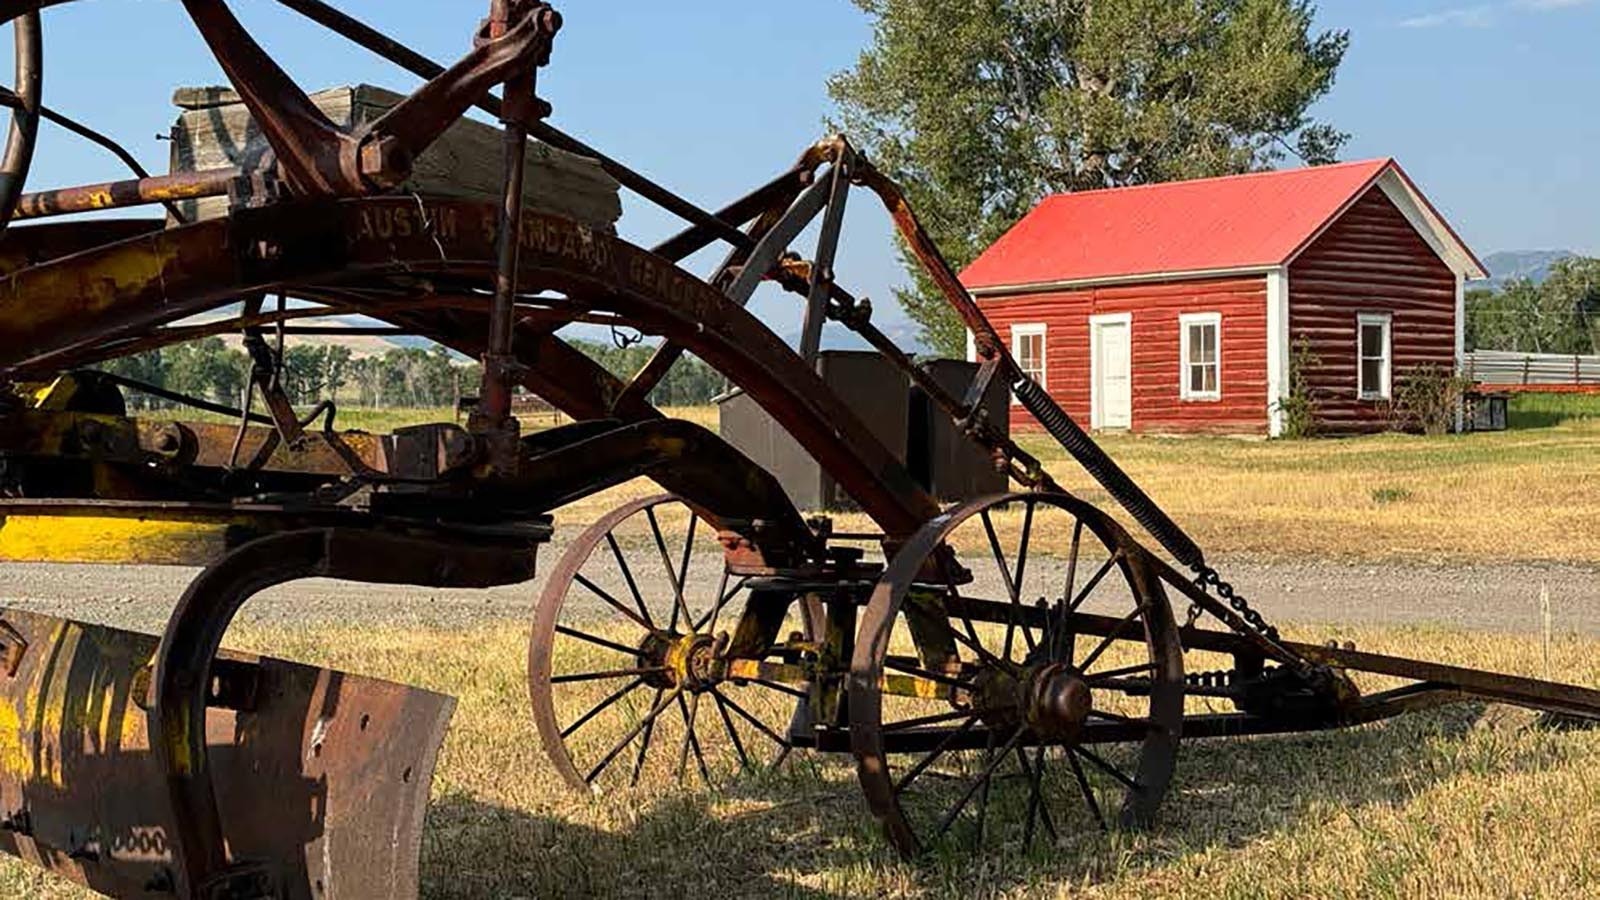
x=207 y=746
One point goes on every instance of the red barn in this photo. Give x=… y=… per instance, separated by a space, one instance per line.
x=1174 y=307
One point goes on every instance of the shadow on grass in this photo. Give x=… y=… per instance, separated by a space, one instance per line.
x=800 y=836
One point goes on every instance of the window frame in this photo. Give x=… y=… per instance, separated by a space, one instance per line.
x=1185 y=322
x=1385 y=321
x=1022 y=330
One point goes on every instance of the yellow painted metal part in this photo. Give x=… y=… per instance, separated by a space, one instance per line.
x=120 y=540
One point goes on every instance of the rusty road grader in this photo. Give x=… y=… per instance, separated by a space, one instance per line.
x=991 y=690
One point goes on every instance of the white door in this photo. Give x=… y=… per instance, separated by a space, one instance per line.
x=1113 y=375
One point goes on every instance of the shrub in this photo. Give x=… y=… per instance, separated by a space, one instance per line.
x=1428 y=399
x=1299 y=406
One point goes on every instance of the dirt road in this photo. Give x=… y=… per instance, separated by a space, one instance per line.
x=1490 y=597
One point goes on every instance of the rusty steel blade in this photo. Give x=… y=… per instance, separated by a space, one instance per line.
x=322 y=777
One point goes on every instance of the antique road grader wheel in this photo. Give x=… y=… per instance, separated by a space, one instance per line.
x=630 y=665
x=983 y=710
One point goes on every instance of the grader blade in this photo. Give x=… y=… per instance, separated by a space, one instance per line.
x=322 y=777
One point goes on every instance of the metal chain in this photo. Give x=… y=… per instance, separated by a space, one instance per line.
x=1208 y=578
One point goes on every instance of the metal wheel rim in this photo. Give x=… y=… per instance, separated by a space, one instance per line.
x=1158 y=751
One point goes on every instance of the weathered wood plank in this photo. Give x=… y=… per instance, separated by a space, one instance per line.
x=215 y=130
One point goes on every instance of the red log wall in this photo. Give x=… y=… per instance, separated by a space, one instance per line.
x=1370 y=260
x=1155 y=338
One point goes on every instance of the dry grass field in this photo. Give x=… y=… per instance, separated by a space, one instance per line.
x=1463 y=802
x=1469 y=801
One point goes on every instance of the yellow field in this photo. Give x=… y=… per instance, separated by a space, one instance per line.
x=1467 y=802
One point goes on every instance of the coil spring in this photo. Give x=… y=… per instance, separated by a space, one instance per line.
x=1110 y=476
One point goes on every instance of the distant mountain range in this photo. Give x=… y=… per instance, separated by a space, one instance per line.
x=1510 y=265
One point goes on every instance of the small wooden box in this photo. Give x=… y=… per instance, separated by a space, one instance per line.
x=215 y=131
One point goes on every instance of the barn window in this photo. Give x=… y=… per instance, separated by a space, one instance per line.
x=1373 y=349
x=1201 y=355
x=1028 y=346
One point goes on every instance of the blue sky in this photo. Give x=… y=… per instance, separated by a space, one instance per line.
x=1489 y=105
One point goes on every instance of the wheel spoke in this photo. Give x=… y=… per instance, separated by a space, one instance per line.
x=1112 y=635
x=1088 y=792
x=722 y=597
x=1107 y=676
x=982 y=780
x=934 y=754
x=1021 y=574
x=780 y=688
x=601 y=676
x=971 y=639
x=989 y=762
x=1059 y=633
x=909 y=669
x=641 y=725
x=733 y=733
x=602 y=706
x=927 y=720
x=644 y=745
x=1107 y=768
x=688 y=550
x=680 y=606
x=690 y=711
x=1005 y=575
x=627 y=575
x=597 y=641
x=745 y=714
x=1094 y=582
x=1038 y=810
x=1119 y=717
x=600 y=592
x=722 y=600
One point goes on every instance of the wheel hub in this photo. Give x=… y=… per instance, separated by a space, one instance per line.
x=1058 y=701
x=689 y=660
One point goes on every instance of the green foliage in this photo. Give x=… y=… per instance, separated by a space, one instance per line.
x=1561 y=315
x=403 y=377
x=689 y=383
x=1386 y=495
x=1427 y=399
x=981 y=109
x=1299 y=405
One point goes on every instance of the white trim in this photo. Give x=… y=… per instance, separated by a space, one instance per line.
x=1277 y=348
x=1116 y=280
x=1429 y=225
x=1461 y=346
x=1030 y=329
x=1387 y=321
x=1185 y=322
x=1095 y=322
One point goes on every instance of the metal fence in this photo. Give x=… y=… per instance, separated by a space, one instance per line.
x=1503 y=367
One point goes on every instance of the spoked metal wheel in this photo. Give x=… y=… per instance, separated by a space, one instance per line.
x=650 y=663
x=1017 y=675
x=24 y=100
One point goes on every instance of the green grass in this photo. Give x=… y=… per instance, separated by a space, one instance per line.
x=1463 y=802
x=1546 y=410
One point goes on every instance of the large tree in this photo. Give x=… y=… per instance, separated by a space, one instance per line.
x=982 y=107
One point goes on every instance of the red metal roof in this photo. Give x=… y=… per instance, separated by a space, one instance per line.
x=1259 y=220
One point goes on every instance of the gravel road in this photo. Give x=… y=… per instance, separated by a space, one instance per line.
x=1490 y=597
